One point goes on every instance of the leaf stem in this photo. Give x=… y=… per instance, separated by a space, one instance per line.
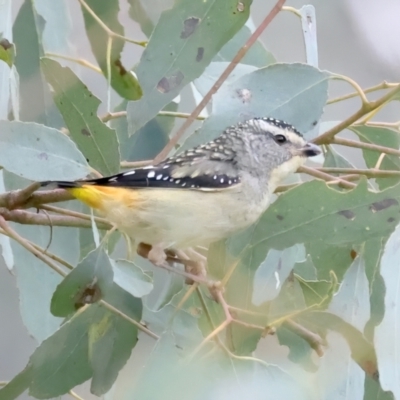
x=79 y=61
x=240 y=54
x=109 y=32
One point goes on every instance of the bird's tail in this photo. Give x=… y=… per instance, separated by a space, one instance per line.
x=82 y=190
x=61 y=184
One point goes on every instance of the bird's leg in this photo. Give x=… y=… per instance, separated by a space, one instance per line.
x=155 y=254
x=194 y=263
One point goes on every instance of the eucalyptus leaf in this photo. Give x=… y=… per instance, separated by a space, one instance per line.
x=295 y=93
x=382 y=137
x=49 y=153
x=132 y=278
x=386 y=334
x=37 y=104
x=195 y=35
x=351 y=302
x=79 y=107
x=257 y=55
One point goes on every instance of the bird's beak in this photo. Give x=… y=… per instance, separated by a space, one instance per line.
x=310 y=150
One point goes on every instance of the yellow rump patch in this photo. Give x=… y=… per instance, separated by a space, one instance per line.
x=95 y=196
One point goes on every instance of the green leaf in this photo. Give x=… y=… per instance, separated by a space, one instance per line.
x=351 y=302
x=79 y=107
x=86 y=284
x=295 y=93
x=333 y=159
x=132 y=278
x=382 y=137
x=195 y=34
x=37 y=104
x=213 y=71
x=123 y=81
x=7 y=51
x=374 y=391
x=50 y=154
x=386 y=334
x=111 y=341
x=93 y=343
x=273 y=271
x=257 y=55
x=138 y=13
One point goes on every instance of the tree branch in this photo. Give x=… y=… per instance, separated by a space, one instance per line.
x=30 y=218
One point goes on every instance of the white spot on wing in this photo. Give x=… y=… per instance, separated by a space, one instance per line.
x=158 y=177
x=129 y=173
x=151 y=174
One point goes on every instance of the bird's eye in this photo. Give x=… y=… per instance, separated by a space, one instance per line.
x=280 y=139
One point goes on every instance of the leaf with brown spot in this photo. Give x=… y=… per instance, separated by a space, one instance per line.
x=347 y=214
x=383 y=204
x=188 y=25
x=78 y=106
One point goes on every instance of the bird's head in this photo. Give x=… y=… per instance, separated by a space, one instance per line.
x=270 y=147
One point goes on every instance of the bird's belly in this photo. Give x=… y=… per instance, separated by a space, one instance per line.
x=155 y=216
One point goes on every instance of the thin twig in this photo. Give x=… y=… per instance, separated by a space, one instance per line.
x=79 y=61
x=121 y=114
x=314 y=340
x=30 y=218
x=240 y=54
x=381 y=86
x=328 y=136
x=24 y=243
x=326 y=177
x=367 y=146
x=129 y=319
x=355 y=85
x=71 y=213
x=135 y=164
x=370 y=173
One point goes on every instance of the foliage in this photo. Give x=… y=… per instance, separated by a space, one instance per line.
x=317 y=273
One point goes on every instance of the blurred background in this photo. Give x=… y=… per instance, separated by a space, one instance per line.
x=356 y=38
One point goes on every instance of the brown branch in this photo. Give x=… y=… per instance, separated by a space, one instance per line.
x=367 y=146
x=313 y=339
x=370 y=173
x=30 y=218
x=24 y=243
x=240 y=54
x=329 y=135
x=326 y=177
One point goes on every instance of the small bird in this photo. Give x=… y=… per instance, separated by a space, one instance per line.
x=201 y=195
